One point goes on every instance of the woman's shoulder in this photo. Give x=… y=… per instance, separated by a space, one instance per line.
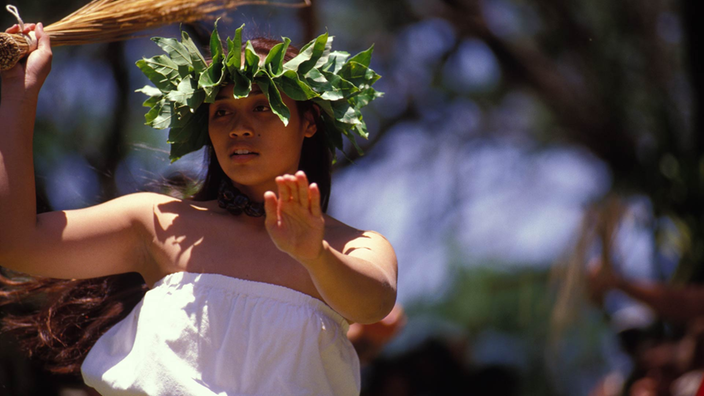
x=148 y=206
x=145 y=198
x=342 y=234
x=153 y=200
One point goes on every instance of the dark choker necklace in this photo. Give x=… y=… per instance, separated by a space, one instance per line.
x=235 y=202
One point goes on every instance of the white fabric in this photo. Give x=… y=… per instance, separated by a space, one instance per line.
x=209 y=334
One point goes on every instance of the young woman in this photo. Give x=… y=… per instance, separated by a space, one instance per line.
x=236 y=304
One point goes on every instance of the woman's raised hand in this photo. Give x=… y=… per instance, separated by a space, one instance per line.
x=294 y=219
x=29 y=76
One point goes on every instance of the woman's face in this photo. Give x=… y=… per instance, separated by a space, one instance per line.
x=251 y=143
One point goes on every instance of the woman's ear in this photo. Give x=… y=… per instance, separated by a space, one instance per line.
x=309 y=125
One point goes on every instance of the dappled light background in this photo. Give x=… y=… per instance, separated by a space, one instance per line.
x=504 y=123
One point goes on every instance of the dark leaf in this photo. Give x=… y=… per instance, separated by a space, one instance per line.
x=293 y=87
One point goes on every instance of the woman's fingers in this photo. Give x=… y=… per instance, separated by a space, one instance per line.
x=302 y=185
x=44 y=41
x=28 y=27
x=292 y=185
x=288 y=189
x=296 y=189
x=315 y=208
x=284 y=194
x=271 y=207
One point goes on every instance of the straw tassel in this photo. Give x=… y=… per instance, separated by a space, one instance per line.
x=113 y=20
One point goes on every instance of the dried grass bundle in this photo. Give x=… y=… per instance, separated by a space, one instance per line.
x=112 y=20
x=600 y=223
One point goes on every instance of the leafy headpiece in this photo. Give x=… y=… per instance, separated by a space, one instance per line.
x=183 y=81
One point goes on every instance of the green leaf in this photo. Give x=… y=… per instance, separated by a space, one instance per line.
x=319 y=83
x=325 y=56
x=358 y=74
x=234 y=51
x=153 y=113
x=364 y=57
x=189 y=137
x=163 y=119
x=197 y=59
x=153 y=100
x=196 y=99
x=345 y=87
x=242 y=86
x=155 y=95
x=177 y=52
x=275 y=59
x=216 y=50
x=336 y=60
x=163 y=65
x=230 y=58
x=180 y=115
x=213 y=76
x=277 y=104
x=361 y=130
x=364 y=97
x=188 y=94
x=293 y=87
x=345 y=113
x=251 y=59
x=210 y=82
x=161 y=71
x=325 y=105
x=183 y=92
x=332 y=132
x=149 y=90
x=351 y=138
x=309 y=55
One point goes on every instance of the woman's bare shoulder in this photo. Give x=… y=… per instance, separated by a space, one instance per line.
x=150 y=206
x=155 y=202
x=350 y=237
x=148 y=198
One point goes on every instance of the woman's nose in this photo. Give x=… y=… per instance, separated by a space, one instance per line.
x=240 y=128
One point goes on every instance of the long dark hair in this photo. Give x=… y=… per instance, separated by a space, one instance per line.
x=59 y=320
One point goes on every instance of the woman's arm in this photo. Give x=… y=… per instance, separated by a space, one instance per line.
x=360 y=285
x=680 y=304
x=101 y=240
x=18 y=105
x=360 y=281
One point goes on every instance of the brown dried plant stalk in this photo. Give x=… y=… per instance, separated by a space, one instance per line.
x=600 y=222
x=113 y=20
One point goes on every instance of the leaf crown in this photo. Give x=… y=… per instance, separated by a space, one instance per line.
x=183 y=81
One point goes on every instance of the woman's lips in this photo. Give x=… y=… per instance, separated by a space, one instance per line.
x=242 y=158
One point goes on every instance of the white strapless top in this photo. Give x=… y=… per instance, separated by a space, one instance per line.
x=210 y=334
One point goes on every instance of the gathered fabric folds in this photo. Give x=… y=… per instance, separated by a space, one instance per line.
x=210 y=334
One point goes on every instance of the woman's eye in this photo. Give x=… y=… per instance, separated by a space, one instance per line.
x=261 y=108
x=220 y=113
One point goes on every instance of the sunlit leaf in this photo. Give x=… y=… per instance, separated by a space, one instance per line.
x=197 y=59
x=275 y=59
x=177 y=52
x=272 y=94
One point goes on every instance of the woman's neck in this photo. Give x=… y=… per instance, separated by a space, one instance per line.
x=256 y=193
